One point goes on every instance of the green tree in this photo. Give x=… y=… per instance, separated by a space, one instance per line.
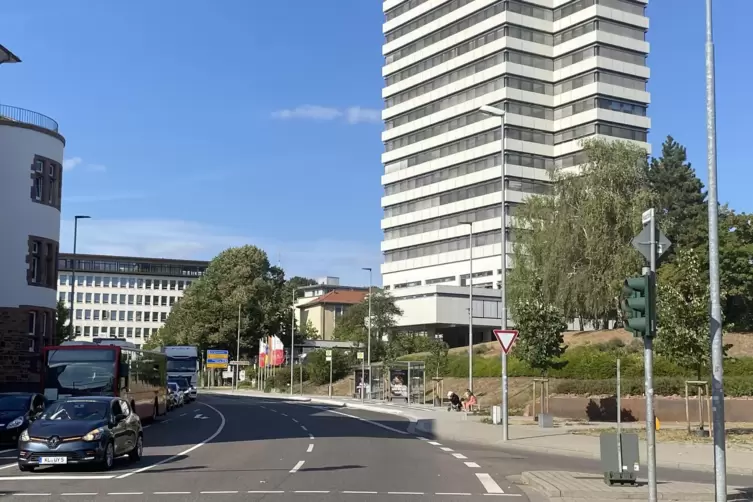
x=63 y=331
x=577 y=238
x=309 y=332
x=352 y=325
x=680 y=198
x=683 y=314
x=317 y=366
x=540 y=326
x=437 y=363
x=736 y=267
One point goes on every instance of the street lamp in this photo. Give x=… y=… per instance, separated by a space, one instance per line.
x=292 y=339
x=73 y=267
x=368 y=344
x=470 y=303
x=497 y=112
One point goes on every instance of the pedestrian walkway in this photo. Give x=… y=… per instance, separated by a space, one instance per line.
x=582 y=486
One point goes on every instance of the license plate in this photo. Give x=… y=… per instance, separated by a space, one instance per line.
x=53 y=460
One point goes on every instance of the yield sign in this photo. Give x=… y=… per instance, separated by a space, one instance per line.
x=506 y=337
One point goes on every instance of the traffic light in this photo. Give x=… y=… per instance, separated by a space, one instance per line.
x=639 y=305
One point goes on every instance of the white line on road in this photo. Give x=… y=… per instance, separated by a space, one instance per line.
x=294 y=420
x=311 y=436
x=503 y=494
x=265 y=491
x=310 y=448
x=405 y=493
x=79 y=494
x=444 y=448
x=8 y=466
x=146 y=426
x=183 y=414
x=311 y=491
x=172 y=493
x=377 y=424
x=297 y=466
x=490 y=485
x=304 y=428
x=220 y=492
x=459 y=455
x=32 y=494
x=284 y=414
x=8 y=450
x=355 y=492
x=184 y=452
x=454 y=494
x=423 y=438
x=126 y=493
x=472 y=465
x=434 y=443
x=50 y=477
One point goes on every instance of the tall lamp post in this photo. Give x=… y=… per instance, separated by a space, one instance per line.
x=368 y=343
x=470 y=303
x=496 y=112
x=73 y=268
x=292 y=340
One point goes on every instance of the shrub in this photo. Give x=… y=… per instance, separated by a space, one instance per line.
x=663 y=386
x=317 y=366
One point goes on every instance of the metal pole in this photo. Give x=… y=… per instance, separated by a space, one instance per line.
x=73 y=277
x=330 y=377
x=238 y=349
x=715 y=328
x=292 y=342
x=368 y=348
x=503 y=287
x=649 y=372
x=470 y=307
x=619 y=417
x=363 y=380
x=300 y=373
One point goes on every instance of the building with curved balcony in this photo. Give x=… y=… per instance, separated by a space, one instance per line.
x=31 y=183
x=561 y=70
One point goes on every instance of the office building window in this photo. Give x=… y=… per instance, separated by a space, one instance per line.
x=121 y=315
x=79 y=298
x=61 y=296
x=97 y=281
x=97 y=298
x=138 y=316
x=138 y=332
x=129 y=333
x=87 y=314
x=121 y=332
x=130 y=315
x=88 y=297
x=87 y=331
x=105 y=297
x=79 y=313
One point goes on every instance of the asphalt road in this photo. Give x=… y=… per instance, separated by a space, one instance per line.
x=241 y=448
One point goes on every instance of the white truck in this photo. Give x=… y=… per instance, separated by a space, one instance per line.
x=183 y=362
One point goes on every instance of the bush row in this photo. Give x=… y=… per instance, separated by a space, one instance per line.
x=737 y=386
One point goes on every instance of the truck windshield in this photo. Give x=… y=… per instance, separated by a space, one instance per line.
x=77 y=372
x=185 y=364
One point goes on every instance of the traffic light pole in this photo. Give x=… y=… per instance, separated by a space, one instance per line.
x=648 y=361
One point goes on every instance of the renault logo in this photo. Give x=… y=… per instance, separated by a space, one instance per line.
x=53 y=442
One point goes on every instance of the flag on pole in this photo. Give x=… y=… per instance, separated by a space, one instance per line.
x=278 y=351
x=262 y=353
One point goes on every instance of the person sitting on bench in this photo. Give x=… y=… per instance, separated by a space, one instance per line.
x=455 y=403
x=469 y=400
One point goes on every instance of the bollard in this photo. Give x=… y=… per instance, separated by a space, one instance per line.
x=496 y=415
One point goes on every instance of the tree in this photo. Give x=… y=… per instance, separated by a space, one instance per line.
x=680 y=198
x=576 y=239
x=683 y=313
x=63 y=331
x=207 y=315
x=736 y=267
x=540 y=326
x=352 y=325
x=317 y=366
x=309 y=332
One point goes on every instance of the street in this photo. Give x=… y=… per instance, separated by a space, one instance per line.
x=263 y=449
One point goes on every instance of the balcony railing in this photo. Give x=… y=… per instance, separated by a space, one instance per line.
x=14 y=114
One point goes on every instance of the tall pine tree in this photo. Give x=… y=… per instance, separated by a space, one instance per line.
x=681 y=204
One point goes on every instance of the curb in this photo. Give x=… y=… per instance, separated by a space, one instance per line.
x=421 y=427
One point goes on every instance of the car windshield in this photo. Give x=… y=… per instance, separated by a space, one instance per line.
x=180 y=382
x=173 y=386
x=182 y=364
x=81 y=372
x=14 y=403
x=77 y=410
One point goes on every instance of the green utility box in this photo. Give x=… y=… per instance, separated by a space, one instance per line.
x=620 y=459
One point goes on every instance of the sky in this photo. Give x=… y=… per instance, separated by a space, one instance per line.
x=196 y=125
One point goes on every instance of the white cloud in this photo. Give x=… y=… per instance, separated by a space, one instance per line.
x=352 y=115
x=193 y=240
x=69 y=164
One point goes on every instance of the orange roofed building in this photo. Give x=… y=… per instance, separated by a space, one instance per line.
x=324 y=311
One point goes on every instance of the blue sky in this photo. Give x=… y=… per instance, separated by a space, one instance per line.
x=194 y=125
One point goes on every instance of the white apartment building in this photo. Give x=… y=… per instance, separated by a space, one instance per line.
x=562 y=70
x=31 y=176
x=122 y=297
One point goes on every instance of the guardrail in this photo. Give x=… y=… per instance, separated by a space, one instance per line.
x=15 y=114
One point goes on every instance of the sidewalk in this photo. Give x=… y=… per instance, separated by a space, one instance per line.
x=559 y=440
x=559 y=485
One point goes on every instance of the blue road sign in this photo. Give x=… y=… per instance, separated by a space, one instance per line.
x=217 y=358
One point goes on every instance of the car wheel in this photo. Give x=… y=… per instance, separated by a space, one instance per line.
x=109 y=458
x=138 y=450
x=26 y=468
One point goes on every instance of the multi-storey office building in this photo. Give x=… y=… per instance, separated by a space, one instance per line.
x=31 y=176
x=122 y=297
x=562 y=70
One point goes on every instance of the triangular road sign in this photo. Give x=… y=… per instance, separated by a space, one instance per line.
x=506 y=337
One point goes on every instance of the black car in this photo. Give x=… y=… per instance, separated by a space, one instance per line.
x=82 y=430
x=17 y=410
x=183 y=384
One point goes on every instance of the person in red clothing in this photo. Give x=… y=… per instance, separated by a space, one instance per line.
x=469 y=400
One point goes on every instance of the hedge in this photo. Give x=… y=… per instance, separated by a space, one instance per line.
x=738 y=386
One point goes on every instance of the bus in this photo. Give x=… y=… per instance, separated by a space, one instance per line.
x=107 y=369
x=183 y=362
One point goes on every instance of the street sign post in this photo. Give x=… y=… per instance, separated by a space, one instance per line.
x=240 y=363
x=506 y=337
x=217 y=358
x=363 y=375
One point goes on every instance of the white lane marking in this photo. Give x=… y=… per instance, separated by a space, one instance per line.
x=79 y=494
x=405 y=493
x=294 y=420
x=263 y=407
x=32 y=494
x=184 y=452
x=265 y=491
x=356 y=492
x=434 y=443
x=183 y=414
x=459 y=455
x=273 y=410
x=503 y=494
x=8 y=450
x=490 y=485
x=50 y=477
x=311 y=491
x=8 y=466
x=126 y=493
x=310 y=448
x=146 y=426
x=454 y=494
x=423 y=438
x=169 y=419
x=377 y=424
x=220 y=492
x=297 y=466
x=311 y=436
x=472 y=465
x=172 y=493
x=444 y=448
x=304 y=428
x=284 y=414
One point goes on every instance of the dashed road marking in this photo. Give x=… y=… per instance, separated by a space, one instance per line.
x=172 y=493
x=490 y=485
x=463 y=494
x=284 y=414
x=298 y=466
x=311 y=436
x=434 y=443
x=311 y=491
x=376 y=424
x=310 y=448
x=125 y=493
x=8 y=450
x=405 y=493
x=459 y=455
x=294 y=420
x=32 y=494
x=472 y=465
x=444 y=448
x=304 y=428
x=219 y=492
x=78 y=494
x=356 y=492
x=265 y=492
